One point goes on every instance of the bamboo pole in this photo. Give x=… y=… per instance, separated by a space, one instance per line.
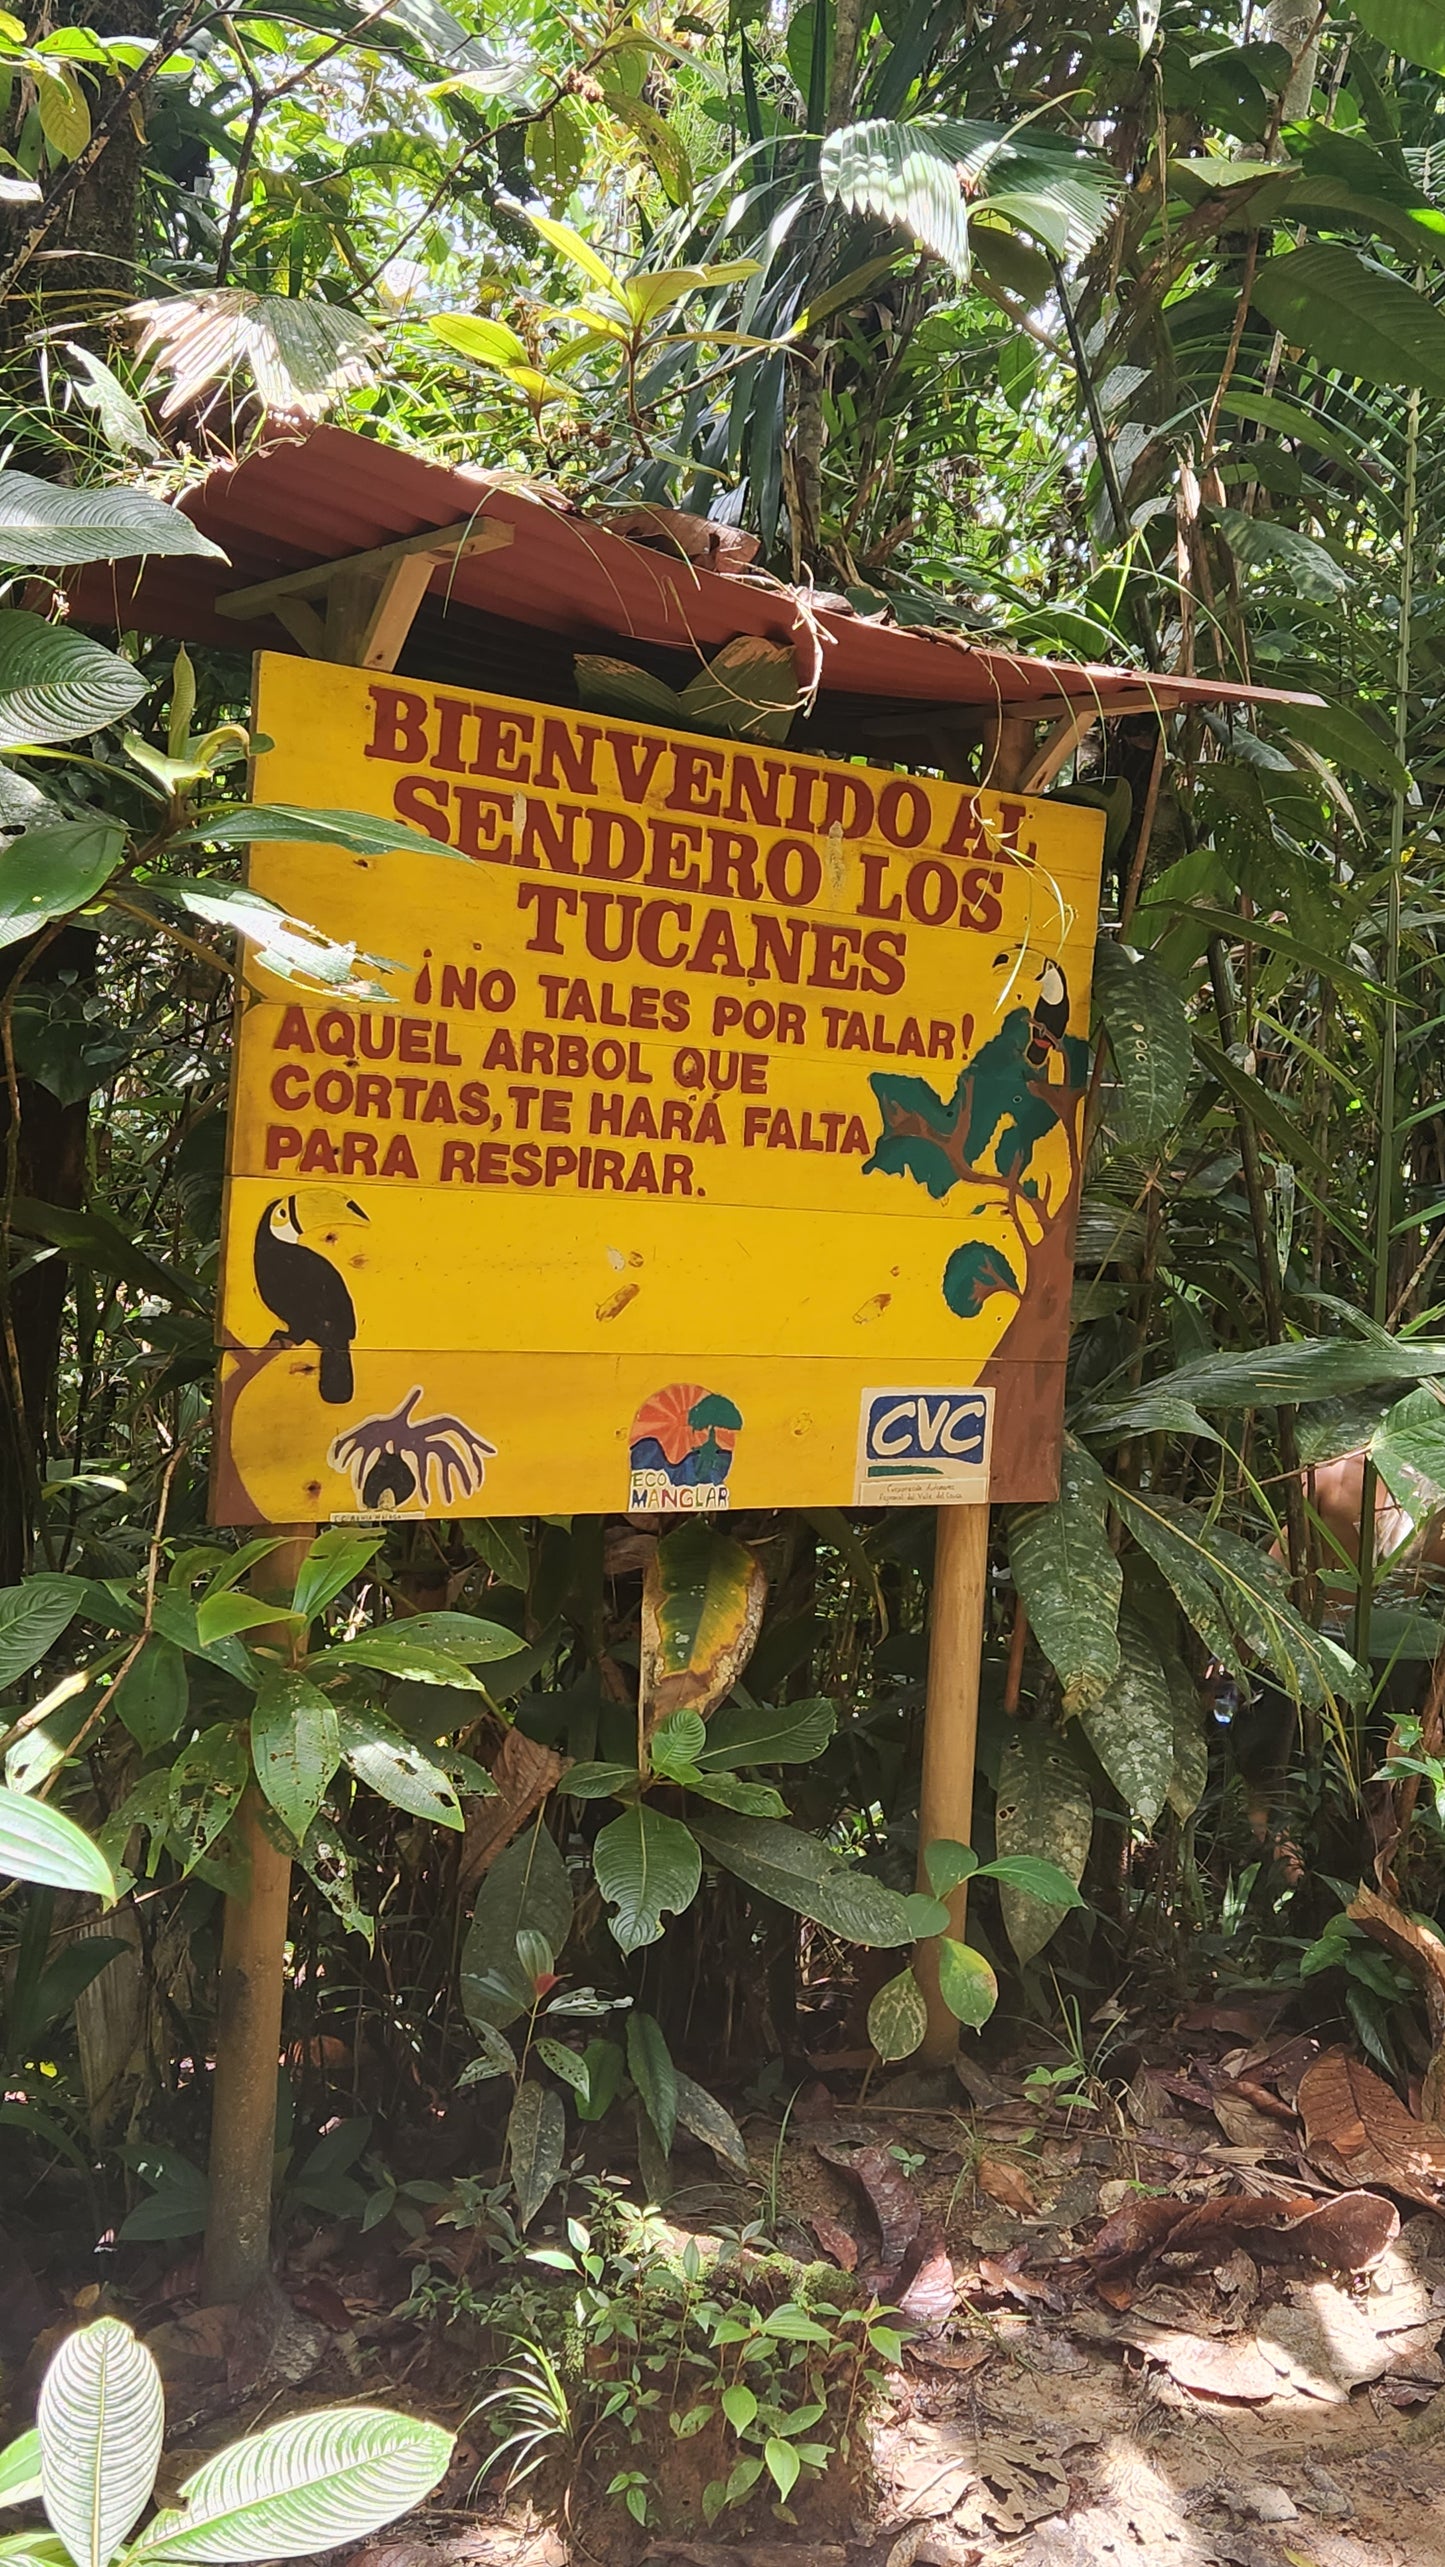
x=248 y=2020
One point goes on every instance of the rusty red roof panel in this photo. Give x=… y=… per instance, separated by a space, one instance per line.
x=317 y=495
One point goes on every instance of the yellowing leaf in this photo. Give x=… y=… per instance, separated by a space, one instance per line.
x=702 y=1606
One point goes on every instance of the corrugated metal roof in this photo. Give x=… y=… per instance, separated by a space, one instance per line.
x=317 y=495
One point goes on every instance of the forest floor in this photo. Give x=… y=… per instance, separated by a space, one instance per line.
x=1187 y=2314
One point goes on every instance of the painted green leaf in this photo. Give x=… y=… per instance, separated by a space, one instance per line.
x=649 y=2065
x=46 y=873
x=897 y=2017
x=1069 y=1579
x=702 y=1608
x=296 y=1745
x=966 y=1983
x=1044 y=1807
x=1131 y=1730
x=647 y=1866
x=527 y=1887
x=536 y=2143
x=1142 y=1011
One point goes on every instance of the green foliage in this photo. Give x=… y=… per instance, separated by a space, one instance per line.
x=294 y=2487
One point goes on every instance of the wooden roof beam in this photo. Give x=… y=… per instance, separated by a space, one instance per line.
x=366 y=603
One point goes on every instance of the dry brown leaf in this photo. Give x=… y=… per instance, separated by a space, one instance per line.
x=1358 y=2131
x=1231 y=2368
x=1005 y=2185
x=524 y=1774
x=835 y=2240
x=894 y=2204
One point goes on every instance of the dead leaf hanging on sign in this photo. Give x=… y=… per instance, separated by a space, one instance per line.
x=1358 y=2131
x=702 y=1609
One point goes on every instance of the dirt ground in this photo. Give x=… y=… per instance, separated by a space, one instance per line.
x=1188 y=2313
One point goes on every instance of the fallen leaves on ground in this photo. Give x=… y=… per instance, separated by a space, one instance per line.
x=1357 y=2130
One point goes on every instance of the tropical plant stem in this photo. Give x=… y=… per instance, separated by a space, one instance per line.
x=1387 y=1144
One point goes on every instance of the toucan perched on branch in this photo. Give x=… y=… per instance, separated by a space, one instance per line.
x=305 y=1291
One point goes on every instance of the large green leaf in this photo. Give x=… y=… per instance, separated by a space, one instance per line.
x=1414 y=28
x=47 y=525
x=1191 y=1746
x=1131 y=1727
x=536 y=2140
x=316 y=2480
x=392 y=1651
x=360 y=833
x=296 y=1744
x=761 y=1733
x=966 y=1982
x=898 y=2017
x=1044 y=1807
x=48 y=872
x=333 y=1560
x=702 y=1609
x=90 y=1237
x=56 y=685
x=1408 y=1450
x=647 y=1865
x=464 y=1636
x=902 y=174
x=748 y=691
x=1306 y=1368
x=40 y=1844
x=1353 y=315
x=152 y=1695
x=20 y=2470
x=32 y=1616
x=101 y=2421
x=1229 y=1588
x=806 y=1876
x=527 y=1890
x=1143 y=1014
x=711 y=2122
x=379 y=1755
x=649 y=2065
x=1069 y=1580
x=1262 y=544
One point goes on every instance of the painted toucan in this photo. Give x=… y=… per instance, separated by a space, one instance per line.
x=305 y=1291
x=1050 y=1020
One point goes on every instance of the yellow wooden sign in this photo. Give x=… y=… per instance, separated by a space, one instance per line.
x=719 y=1150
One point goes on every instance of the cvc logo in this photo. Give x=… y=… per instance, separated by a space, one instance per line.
x=925 y=1434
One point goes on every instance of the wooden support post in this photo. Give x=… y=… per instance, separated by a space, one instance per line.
x=960 y=1594
x=950 y=1734
x=248 y=2022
